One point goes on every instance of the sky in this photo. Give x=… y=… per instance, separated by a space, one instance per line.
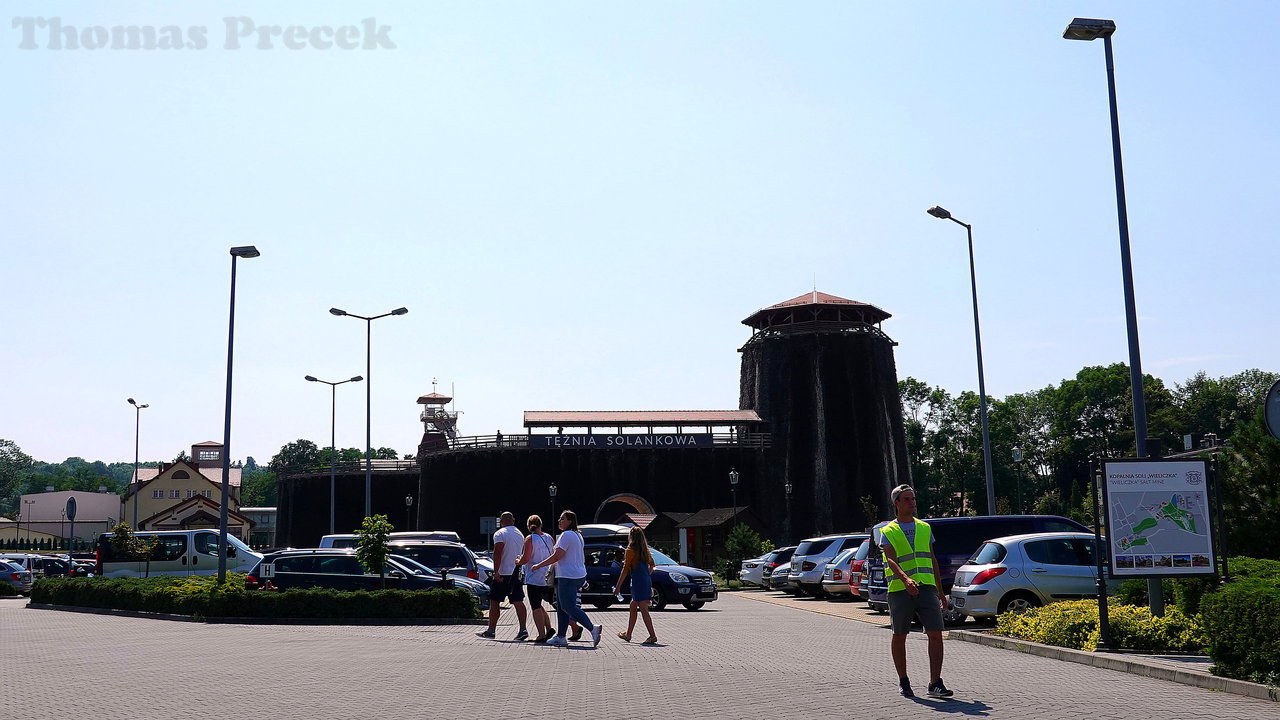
x=579 y=202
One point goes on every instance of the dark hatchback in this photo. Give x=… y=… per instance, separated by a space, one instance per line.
x=340 y=569
x=672 y=582
x=955 y=539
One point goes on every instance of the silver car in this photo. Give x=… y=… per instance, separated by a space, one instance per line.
x=16 y=576
x=1019 y=572
x=752 y=571
x=810 y=561
x=779 y=579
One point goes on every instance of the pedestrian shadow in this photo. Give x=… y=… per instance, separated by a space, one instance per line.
x=976 y=708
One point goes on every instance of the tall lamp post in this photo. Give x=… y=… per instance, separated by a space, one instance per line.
x=1092 y=29
x=137 y=428
x=244 y=251
x=942 y=214
x=786 y=540
x=368 y=398
x=27 y=504
x=551 y=490
x=333 y=442
x=733 y=486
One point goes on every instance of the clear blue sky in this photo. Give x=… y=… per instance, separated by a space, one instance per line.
x=580 y=201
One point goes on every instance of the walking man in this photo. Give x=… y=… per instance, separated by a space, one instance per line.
x=915 y=588
x=506 y=584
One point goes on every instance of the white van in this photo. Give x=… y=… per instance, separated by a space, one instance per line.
x=178 y=552
x=350 y=540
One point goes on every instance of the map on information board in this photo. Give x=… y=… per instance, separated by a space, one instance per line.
x=1159 y=517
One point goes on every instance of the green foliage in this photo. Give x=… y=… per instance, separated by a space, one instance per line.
x=128 y=545
x=295 y=457
x=372 y=549
x=1243 y=624
x=201 y=596
x=7 y=589
x=258 y=488
x=1250 y=473
x=767 y=546
x=743 y=543
x=1075 y=625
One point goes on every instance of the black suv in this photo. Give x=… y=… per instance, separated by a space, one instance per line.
x=672 y=582
x=955 y=539
x=339 y=569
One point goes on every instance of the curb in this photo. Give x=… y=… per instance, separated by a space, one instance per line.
x=255 y=620
x=1123 y=664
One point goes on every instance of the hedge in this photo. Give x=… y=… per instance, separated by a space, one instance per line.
x=7 y=589
x=1075 y=625
x=201 y=597
x=1243 y=622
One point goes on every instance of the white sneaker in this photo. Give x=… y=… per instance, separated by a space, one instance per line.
x=558 y=641
x=595 y=635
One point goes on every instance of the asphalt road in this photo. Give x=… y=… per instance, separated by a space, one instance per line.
x=737 y=658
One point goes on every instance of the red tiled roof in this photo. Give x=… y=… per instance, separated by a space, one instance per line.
x=433 y=398
x=638 y=418
x=815 y=298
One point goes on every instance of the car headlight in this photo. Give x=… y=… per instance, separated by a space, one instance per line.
x=678 y=577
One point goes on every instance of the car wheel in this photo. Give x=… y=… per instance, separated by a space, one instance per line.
x=658 y=601
x=695 y=605
x=1018 y=602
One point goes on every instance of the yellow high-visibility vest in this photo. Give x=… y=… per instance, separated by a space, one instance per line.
x=914 y=561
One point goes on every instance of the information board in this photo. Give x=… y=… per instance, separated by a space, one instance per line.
x=1159 y=517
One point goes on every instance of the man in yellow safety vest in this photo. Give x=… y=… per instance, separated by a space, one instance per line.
x=914 y=588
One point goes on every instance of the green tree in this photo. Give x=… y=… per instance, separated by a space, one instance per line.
x=741 y=544
x=258 y=489
x=295 y=457
x=15 y=467
x=372 y=549
x=128 y=545
x=1250 y=476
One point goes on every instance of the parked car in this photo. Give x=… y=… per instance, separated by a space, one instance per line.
x=340 y=569
x=835 y=579
x=1016 y=573
x=177 y=552
x=452 y=558
x=857 y=566
x=17 y=576
x=752 y=571
x=781 y=578
x=955 y=539
x=772 y=562
x=449 y=535
x=340 y=540
x=41 y=565
x=26 y=561
x=811 y=557
x=603 y=531
x=672 y=582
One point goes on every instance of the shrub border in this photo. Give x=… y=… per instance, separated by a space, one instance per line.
x=1123 y=663
x=256 y=620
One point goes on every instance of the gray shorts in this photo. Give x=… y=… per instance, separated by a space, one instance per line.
x=903 y=607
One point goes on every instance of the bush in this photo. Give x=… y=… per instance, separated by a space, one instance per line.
x=1075 y=625
x=7 y=589
x=1243 y=624
x=201 y=596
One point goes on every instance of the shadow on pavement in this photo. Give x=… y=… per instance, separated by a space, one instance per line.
x=951 y=705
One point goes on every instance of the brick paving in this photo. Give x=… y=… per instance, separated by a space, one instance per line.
x=738 y=658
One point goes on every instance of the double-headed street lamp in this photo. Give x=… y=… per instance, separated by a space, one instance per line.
x=137 y=427
x=244 y=251
x=368 y=399
x=942 y=214
x=333 y=442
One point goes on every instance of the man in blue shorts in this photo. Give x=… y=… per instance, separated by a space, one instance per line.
x=506 y=583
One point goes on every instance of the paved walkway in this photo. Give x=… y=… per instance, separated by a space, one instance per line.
x=738 y=658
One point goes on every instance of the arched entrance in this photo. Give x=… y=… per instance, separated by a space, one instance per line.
x=636 y=503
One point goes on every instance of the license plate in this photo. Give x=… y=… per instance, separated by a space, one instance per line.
x=957 y=602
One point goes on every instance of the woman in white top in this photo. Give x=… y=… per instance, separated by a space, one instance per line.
x=538 y=547
x=571 y=570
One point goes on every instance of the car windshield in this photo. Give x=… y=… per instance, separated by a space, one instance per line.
x=413 y=566
x=813 y=547
x=661 y=559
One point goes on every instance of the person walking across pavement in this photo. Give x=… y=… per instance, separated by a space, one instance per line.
x=638 y=564
x=506 y=584
x=915 y=588
x=571 y=570
x=538 y=546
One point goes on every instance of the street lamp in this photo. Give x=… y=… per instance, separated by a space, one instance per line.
x=733 y=486
x=551 y=490
x=368 y=399
x=137 y=427
x=1091 y=29
x=942 y=214
x=243 y=251
x=786 y=540
x=333 y=442
x=27 y=504
x=408 y=504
